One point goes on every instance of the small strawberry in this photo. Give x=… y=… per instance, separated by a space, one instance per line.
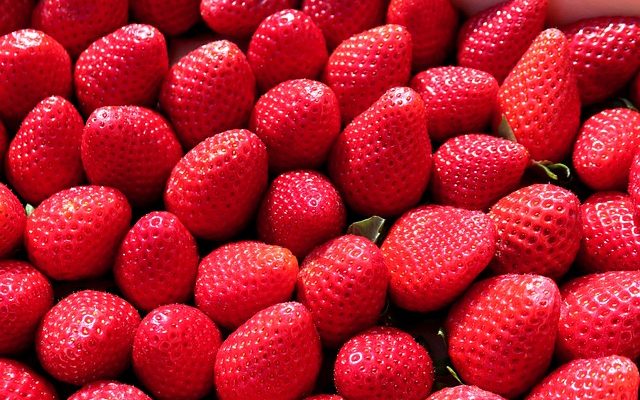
x=19 y=382
x=209 y=90
x=383 y=363
x=634 y=185
x=109 y=390
x=464 y=392
x=16 y=15
x=237 y=280
x=172 y=17
x=12 y=221
x=239 y=19
x=217 y=186
x=274 y=355
x=125 y=67
x=387 y=146
x=86 y=337
x=132 y=149
x=502 y=332
x=365 y=66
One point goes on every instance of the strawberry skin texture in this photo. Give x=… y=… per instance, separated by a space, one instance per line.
x=613 y=378
x=19 y=382
x=383 y=363
x=12 y=221
x=237 y=280
x=174 y=352
x=157 y=262
x=539 y=98
x=495 y=39
x=464 y=392
x=605 y=147
x=387 y=146
x=240 y=18
x=109 y=390
x=44 y=156
x=634 y=185
x=86 y=337
x=209 y=90
x=217 y=186
x=502 y=332
x=274 y=355
x=473 y=171
x=434 y=253
x=172 y=17
x=365 y=66
x=301 y=210
x=125 y=67
x=16 y=15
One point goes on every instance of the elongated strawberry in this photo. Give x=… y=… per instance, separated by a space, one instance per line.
x=634 y=185
x=239 y=19
x=109 y=390
x=19 y=382
x=12 y=221
x=16 y=15
x=464 y=392
x=172 y=17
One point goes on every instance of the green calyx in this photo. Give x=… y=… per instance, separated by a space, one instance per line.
x=371 y=228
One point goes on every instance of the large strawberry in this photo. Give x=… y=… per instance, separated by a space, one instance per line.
x=464 y=392
x=19 y=382
x=217 y=186
x=16 y=15
x=634 y=185
x=381 y=162
x=109 y=390
x=365 y=66
x=434 y=253
x=502 y=332
x=239 y=18
x=274 y=355
x=87 y=336
x=172 y=17
x=12 y=221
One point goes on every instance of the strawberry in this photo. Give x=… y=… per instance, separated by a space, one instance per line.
x=634 y=185
x=276 y=354
x=217 y=186
x=539 y=231
x=209 y=90
x=464 y=392
x=495 y=39
x=605 y=52
x=87 y=336
x=174 y=352
x=75 y=233
x=298 y=121
x=132 y=149
x=44 y=156
x=157 y=262
x=434 y=253
x=109 y=390
x=604 y=149
x=459 y=100
x=383 y=363
x=473 y=171
x=32 y=66
x=239 y=19
x=432 y=24
x=599 y=316
x=502 y=332
x=301 y=210
x=19 y=382
x=12 y=221
x=387 y=146
x=365 y=66
x=614 y=378
x=77 y=23
x=172 y=17
x=237 y=280
x=539 y=99
x=125 y=67
x=16 y=15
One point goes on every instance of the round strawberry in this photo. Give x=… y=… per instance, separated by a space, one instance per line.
x=12 y=221
x=109 y=390
x=172 y=17
x=239 y=19
x=87 y=336
x=634 y=185
x=383 y=363
x=75 y=233
x=19 y=382
x=274 y=355
x=16 y=15
x=464 y=392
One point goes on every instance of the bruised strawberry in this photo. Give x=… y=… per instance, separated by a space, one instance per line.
x=12 y=221
x=109 y=390
x=16 y=15
x=19 y=382
x=172 y=17
x=464 y=392
x=634 y=185
x=239 y=19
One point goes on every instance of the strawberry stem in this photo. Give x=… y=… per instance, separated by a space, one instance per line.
x=555 y=171
x=505 y=131
x=28 y=209
x=371 y=228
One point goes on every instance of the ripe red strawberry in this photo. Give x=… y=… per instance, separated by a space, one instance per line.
x=474 y=171
x=172 y=17
x=32 y=66
x=132 y=149
x=539 y=99
x=634 y=185
x=434 y=253
x=383 y=363
x=174 y=352
x=237 y=280
x=157 y=262
x=274 y=355
x=44 y=156
x=77 y=23
x=217 y=186
x=209 y=90
x=387 y=146
x=495 y=39
x=75 y=233
x=539 y=231
x=19 y=382
x=86 y=337
x=16 y=15
x=605 y=52
x=298 y=121
x=12 y=221
x=239 y=19
x=464 y=392
x=365 y=66
x=301 y=210
x=605 y=147
x=125 y=67
x=614 y=378
x=109 y=390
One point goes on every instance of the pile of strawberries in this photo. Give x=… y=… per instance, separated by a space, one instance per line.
x=282 y=199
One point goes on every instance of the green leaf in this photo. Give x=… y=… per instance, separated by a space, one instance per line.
x=371 y=228
x=627 y=103
x=505 y=131
x=557 y=172
x=29 y=209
